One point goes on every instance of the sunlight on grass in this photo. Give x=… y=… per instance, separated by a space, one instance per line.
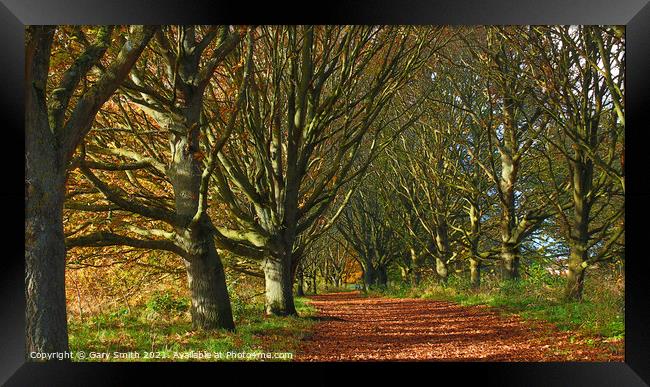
x=166 y=332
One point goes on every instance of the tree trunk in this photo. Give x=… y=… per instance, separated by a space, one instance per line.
x=582 y=185
x=382 y=277
x=475 y=273
x=300 y=291
x=46 y=316
x=441 y=269
x=415 y=277
x=207 y=283
x=279 y=287
x=474 y=263
x=509 y=170
x=369 y=276
x=415 y=272
x=509 y=261
x=576 y=274
x=280 y=265
x=442 y=244
x=405 y=272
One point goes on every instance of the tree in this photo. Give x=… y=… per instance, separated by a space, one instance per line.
x=329 y=258
x=312 y=121
x=336 y=260
x=582 y=97
x=420 y=175
x=470 y=148
x=188 y=57
x=364 y=226
x=400 y=214
x=59 y=111
x=513 y=123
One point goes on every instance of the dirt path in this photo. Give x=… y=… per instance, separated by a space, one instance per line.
x=353 y=327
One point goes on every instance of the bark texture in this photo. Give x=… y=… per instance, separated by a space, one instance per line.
x=279 y=287
x=207 y=283
x=475 y=273
x=44 y=251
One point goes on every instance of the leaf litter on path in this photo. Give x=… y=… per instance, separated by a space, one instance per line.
x=356 y=328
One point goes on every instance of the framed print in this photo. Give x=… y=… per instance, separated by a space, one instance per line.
x=272 y=194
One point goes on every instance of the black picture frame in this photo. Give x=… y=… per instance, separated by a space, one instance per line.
x=634 y=14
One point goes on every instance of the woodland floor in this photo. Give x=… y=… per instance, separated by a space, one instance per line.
x=352 y=327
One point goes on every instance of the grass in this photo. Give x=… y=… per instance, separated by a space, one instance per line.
x=601 y=313
x=148 y=333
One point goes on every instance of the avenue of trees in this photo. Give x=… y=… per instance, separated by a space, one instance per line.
x=299 y=154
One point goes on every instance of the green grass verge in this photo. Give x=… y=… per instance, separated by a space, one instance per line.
x=153 y=335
